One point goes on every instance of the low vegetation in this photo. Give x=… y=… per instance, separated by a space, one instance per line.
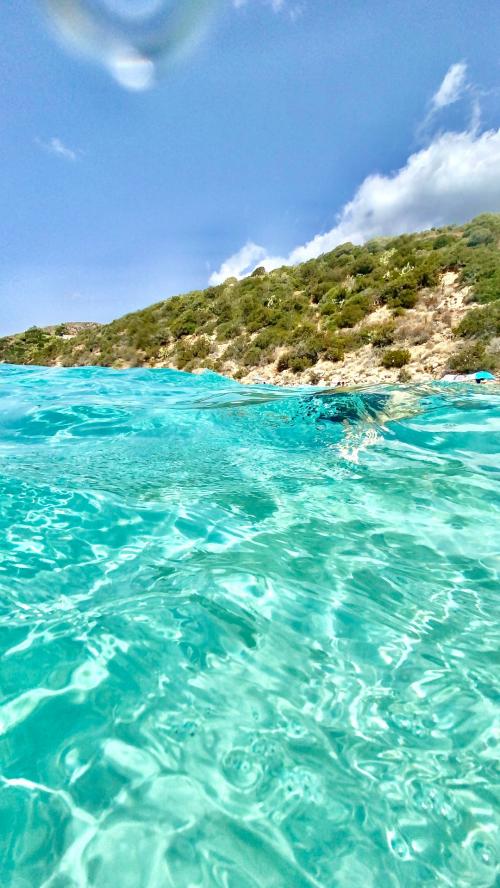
x=395 y=357
x=295 y=318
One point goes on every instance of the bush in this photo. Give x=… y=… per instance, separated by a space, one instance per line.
x=479 y=236
x=442 y=240
x=401 y=293
x=297 y=359
x=334 y=351
x=380 y=335
x=487 y=289
x=298 y=364
x=182 y=356
x=395 y=357
x=407 y=298
x=472 y=357
x=404 y=375
x=266 y=338
x=354 y=310
x=283 y=362
x=427 y=275
x=328 y=308
x=185 y=325
x=364 y=265
x=200 y=348
x=251 y=357
x=228 y=330
x=213 y=292
x=342 y=251
x=350 y=340
x=482 y=322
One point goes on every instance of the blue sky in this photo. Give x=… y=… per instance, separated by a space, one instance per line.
x=285 y=128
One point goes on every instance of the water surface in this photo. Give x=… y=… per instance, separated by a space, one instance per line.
x=249 y=636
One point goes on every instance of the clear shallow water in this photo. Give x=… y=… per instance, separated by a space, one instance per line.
x=243 y=644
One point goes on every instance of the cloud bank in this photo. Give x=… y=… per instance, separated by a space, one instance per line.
x=455 y=177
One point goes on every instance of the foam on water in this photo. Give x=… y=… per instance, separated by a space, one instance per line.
x=249 y=636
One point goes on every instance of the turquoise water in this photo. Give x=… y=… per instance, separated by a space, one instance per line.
x=243 y=643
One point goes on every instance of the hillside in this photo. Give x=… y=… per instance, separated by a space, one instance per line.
x=408 y=307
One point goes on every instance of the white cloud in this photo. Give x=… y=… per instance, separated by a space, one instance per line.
x=276 y=5
x=452 y=86
x=452 y=179
x=57 y=147
x=239 y=263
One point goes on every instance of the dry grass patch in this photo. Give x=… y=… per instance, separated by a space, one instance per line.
x=415 y=330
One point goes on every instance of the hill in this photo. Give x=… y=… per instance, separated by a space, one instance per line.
x=407 y=307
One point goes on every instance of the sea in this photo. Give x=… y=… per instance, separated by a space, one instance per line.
x=249 y=635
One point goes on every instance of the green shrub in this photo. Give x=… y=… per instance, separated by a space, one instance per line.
x=380 y=335
x=482 y=322
x=377 y=245
x=354 y=310
x=328 y=308
x=228 y=331
x=283 y=362
x=200 y=348
x=479 y=236
x=251 y=357
x=213 y=292
x=442 y=240
x=395 y=357
x=400 y=294
x=236 y=349
x=182 y=356
x=334 y=350
x=185 y=325
x=364 y=265
x=472 y=357
x=343 y=251
x=487 y=289
x=298 y=364
x=297 y=359
x=265 y=339
x=427 y=275
x=350 y=340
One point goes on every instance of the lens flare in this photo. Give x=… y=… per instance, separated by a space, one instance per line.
x=133 y=39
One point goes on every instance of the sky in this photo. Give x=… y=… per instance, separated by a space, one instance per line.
x=271 y=131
